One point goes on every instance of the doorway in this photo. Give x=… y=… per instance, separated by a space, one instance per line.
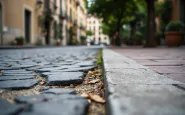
x=27 y=21
x=1 y=24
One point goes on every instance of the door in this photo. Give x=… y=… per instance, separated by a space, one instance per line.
x=1 y=25
x=27 y=26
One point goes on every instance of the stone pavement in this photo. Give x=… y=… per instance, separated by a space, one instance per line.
x=134 y=89
x=21 y=68
x=167 y=61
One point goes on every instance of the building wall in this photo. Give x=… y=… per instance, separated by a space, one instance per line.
x=14 y=25
x=81 y=19
x=94 y=25
x=14 y=19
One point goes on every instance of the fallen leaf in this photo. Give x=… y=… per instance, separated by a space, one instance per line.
x=94 y=81
x=89 y=100
x=97 y=98
x=72 y=86
x=85 y=95
x=42 y=82
x=90 y=72
x=1 y=91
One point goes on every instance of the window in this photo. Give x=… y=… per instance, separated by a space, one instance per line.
x=105 y=38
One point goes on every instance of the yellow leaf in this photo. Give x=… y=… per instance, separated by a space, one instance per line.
x=97 y=98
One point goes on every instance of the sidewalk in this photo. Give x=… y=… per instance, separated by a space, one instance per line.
x=167 y=61
x=134 y=89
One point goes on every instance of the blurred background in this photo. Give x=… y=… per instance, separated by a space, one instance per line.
x=92 y=22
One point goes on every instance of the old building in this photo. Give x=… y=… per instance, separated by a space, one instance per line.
x=42 y=21
x=19 y=18
x=81 y=19
x=94 y=25
x=76 y=22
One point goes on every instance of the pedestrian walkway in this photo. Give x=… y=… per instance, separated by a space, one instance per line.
x=134 y=89
x=167 y=61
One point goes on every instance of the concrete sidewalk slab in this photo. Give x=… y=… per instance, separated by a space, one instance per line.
x=133 y=89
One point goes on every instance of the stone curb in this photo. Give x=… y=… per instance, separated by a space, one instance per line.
x=133 y=89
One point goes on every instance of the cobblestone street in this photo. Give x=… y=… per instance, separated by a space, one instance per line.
x=23 y=70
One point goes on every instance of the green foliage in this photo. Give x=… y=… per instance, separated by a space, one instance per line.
x=71 y=36
x=57 y=31
x=83 y=38
x=176 y=26
x=139 y=35
x=99 y=62
x=39 y=42
x=125 y=33
x=164 y=11
x=60 y=31
x=159 y=35
x=114 y=12
x=19 y=39
x=41 y=20
x=89 y=33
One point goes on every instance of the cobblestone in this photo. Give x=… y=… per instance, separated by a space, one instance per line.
x=7 y=108
x=21 y=69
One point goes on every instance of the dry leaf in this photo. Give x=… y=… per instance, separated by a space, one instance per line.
x=89 y=100
x=94 y=81
x=90 y=72
x=85 y=95
x=42 y=82
x=97 y=98
x=1 y=91
x=72 y=86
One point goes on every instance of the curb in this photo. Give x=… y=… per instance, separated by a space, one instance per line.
x=133 y=89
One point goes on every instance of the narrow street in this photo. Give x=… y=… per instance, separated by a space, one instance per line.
x=34 y=77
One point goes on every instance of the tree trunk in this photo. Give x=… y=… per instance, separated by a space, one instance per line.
x=118 y=39
x=150 y=24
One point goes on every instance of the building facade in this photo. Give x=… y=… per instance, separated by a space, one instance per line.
x=94 y=25
x=177 y=12
x=81 y=19
x=41 y=21
x=19 y=18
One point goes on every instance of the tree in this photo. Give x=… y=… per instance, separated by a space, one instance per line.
x=89 y=33
x=150 y=24
x=114 y=13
